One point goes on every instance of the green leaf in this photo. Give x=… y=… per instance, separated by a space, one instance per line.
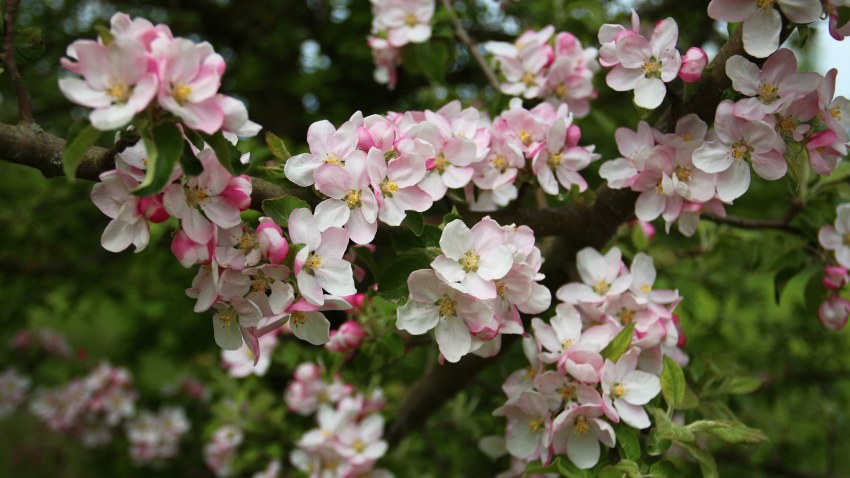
x=690 y=401
x=105 y=34
x=797 y=157
x=620 y=344
x=656 y=445
x=667 y=430
x=537 y=468
x=623 y=469
x=628 y=440
x=706 y=462
x=672 y=382
x=29 y=45
x=169 y=147
x=280 y=208
x=732 y=432
x=190 y=163
x=739 y=385
x=393 y=285
x=639 y=238
x=414 y=221
x=224 y=150
x=76 y=147
x=663 y=469
x=277 y=146
x=568 y=469
x=451 y=216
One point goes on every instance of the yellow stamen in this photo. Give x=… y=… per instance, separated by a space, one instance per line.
x=411 y=20
x=525 y=138
x=601 y=287
x=352 y=199
x=446 y=307
x=500 y=163
x=331 y=158
x=581 y=426
x=195 y=195
x=652 y=68
x=554 y=160
x=528 y=79
x=180 y=92
x=358 y=446
x=297 y=318
x=626 y=316
x=313 y=262
x=768 y=93
x=561 y=91
x=618 y=390
x=440 y=162
x=389 y=188
x=119 y=92
x=684 y=173
x=469 y=262
x=501 y=288
x=535 y=424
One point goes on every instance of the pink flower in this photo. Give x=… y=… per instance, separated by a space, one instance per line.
x=608 y=36
x=406 y=21
x=153 y=209
x=386 y=59
x=351 y=203
x=834 y=312
x=693 y=63
x=189 y=252
x=113 y=196
x=645 y=65
x=200 y=203
x=629 y=389
x=577 y=433
x=328 y=145
x=435 y=305
x=236 y=117
x=243 y=362
x=603 y=277
x=348 y=337
x=559 y=162
x=190 y=77
x=636 y=147
x=473 y=258
x=231 y=318
x=836 y=237
x=362 y=443
x=739 y=141
x=761 y=23
x=395 y=185
x=271 y=242
x=450 y=164
x=319 y=264
x=772 y=88
x=529 y=425
x=643 y=278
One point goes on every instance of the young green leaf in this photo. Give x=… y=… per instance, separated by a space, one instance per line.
x=415 y=222
x=628 y=440
x=169 y=147
x=620 y=344
x=75 y=149
x=623 y=469
x=729 y=431
x=706 y=462
x=667 y=430
x=280 y=208
x=277 y=146
x=672 y=382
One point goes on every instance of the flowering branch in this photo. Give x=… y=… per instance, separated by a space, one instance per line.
x=9 y=17
x=467 y=40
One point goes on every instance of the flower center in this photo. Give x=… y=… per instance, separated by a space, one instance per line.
x=567 y=391
x=440 y=162
x=469 y=262
x=561 y=91
x=501 y=289
x=835 y=111
x=446 y=307
x=626 y=316
x=331 y=159
x=226 y=317
x=618 y=390
x=741 y=150
x=261 y=283
x=768 y=93
x=352 y=199
x=567 y=344
x=313 y=262
x=180 y=92
x=358 y=446
x=500 y=163
x=645 y=288
x=652 y=68
x=388 y=188
x=687 y=137
x=410 y=20
x=528 y=79
x=765 y=4
x=195 y=195
x=535 y=424
x=525 y=138
x=581 y=426
x=846 y=239
x=601 y=287
x=119 y=92
x=554 y=160
x=246 y=243
x=298 y=318
x=684 y=173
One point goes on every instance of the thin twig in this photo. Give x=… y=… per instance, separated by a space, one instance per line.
x=9 y=17
x=750 y=223
x=467 y=40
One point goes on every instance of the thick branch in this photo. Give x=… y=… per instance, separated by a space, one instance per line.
x=467 y=40
x=9 y=18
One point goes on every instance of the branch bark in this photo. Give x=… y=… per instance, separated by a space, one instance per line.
x=9 y=18
x=467 y=40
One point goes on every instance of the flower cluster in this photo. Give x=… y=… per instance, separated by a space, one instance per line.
x=558 y=70
x=242 y=362
x=135 y=63
x=761 y=22
x=646 y=64
x=565 y=402
x=220 y=451
x=13 y=391
x=349 y=438
x=47 y=339
x=88 y=407
x=396 y=23
x=347 y=338
x=155 y=436
x=476 y=289
x=834 y=312
x=694 y=170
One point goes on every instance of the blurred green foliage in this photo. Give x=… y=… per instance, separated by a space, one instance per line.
x=295 y=62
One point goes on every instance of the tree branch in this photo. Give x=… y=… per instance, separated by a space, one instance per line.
x=467 y=40
x=9 y=18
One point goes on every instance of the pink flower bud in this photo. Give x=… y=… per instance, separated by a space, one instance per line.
x=238 y=192
x=573 y=135
x=307 y=372
x=189 y=252
x=834 y=312
x=364 y=139
x=835 y=277
x=347 y=338
x=693 y=63
x=683 y=340
x=270 y=238
x=153 y=209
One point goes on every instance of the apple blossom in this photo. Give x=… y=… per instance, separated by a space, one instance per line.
x=13 y=391
x=834 y=312
x=270 y=240
x=351 y=203
x=579 y=431
x=629 y=389
x=603 y=277
x=559 y=162
x=243 y=362
x=835 y=277
x=348 y=337
x=113 y=196
x=693 y=63
x=836 y=237
x=328 y=145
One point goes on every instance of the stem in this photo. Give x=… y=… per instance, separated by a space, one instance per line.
x=9 y=17
x=467 y=40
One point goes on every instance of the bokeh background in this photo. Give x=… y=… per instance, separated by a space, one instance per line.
x=297 y=61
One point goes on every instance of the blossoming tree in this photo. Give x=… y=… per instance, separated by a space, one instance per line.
x=403 y=253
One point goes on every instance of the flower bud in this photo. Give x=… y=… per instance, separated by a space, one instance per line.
x=153 y=209
x=834 y=312
x=693 y=63
x=347 y=338
x=238 y=191
x=835 y=277
x=189 y=252
x=270 y=238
